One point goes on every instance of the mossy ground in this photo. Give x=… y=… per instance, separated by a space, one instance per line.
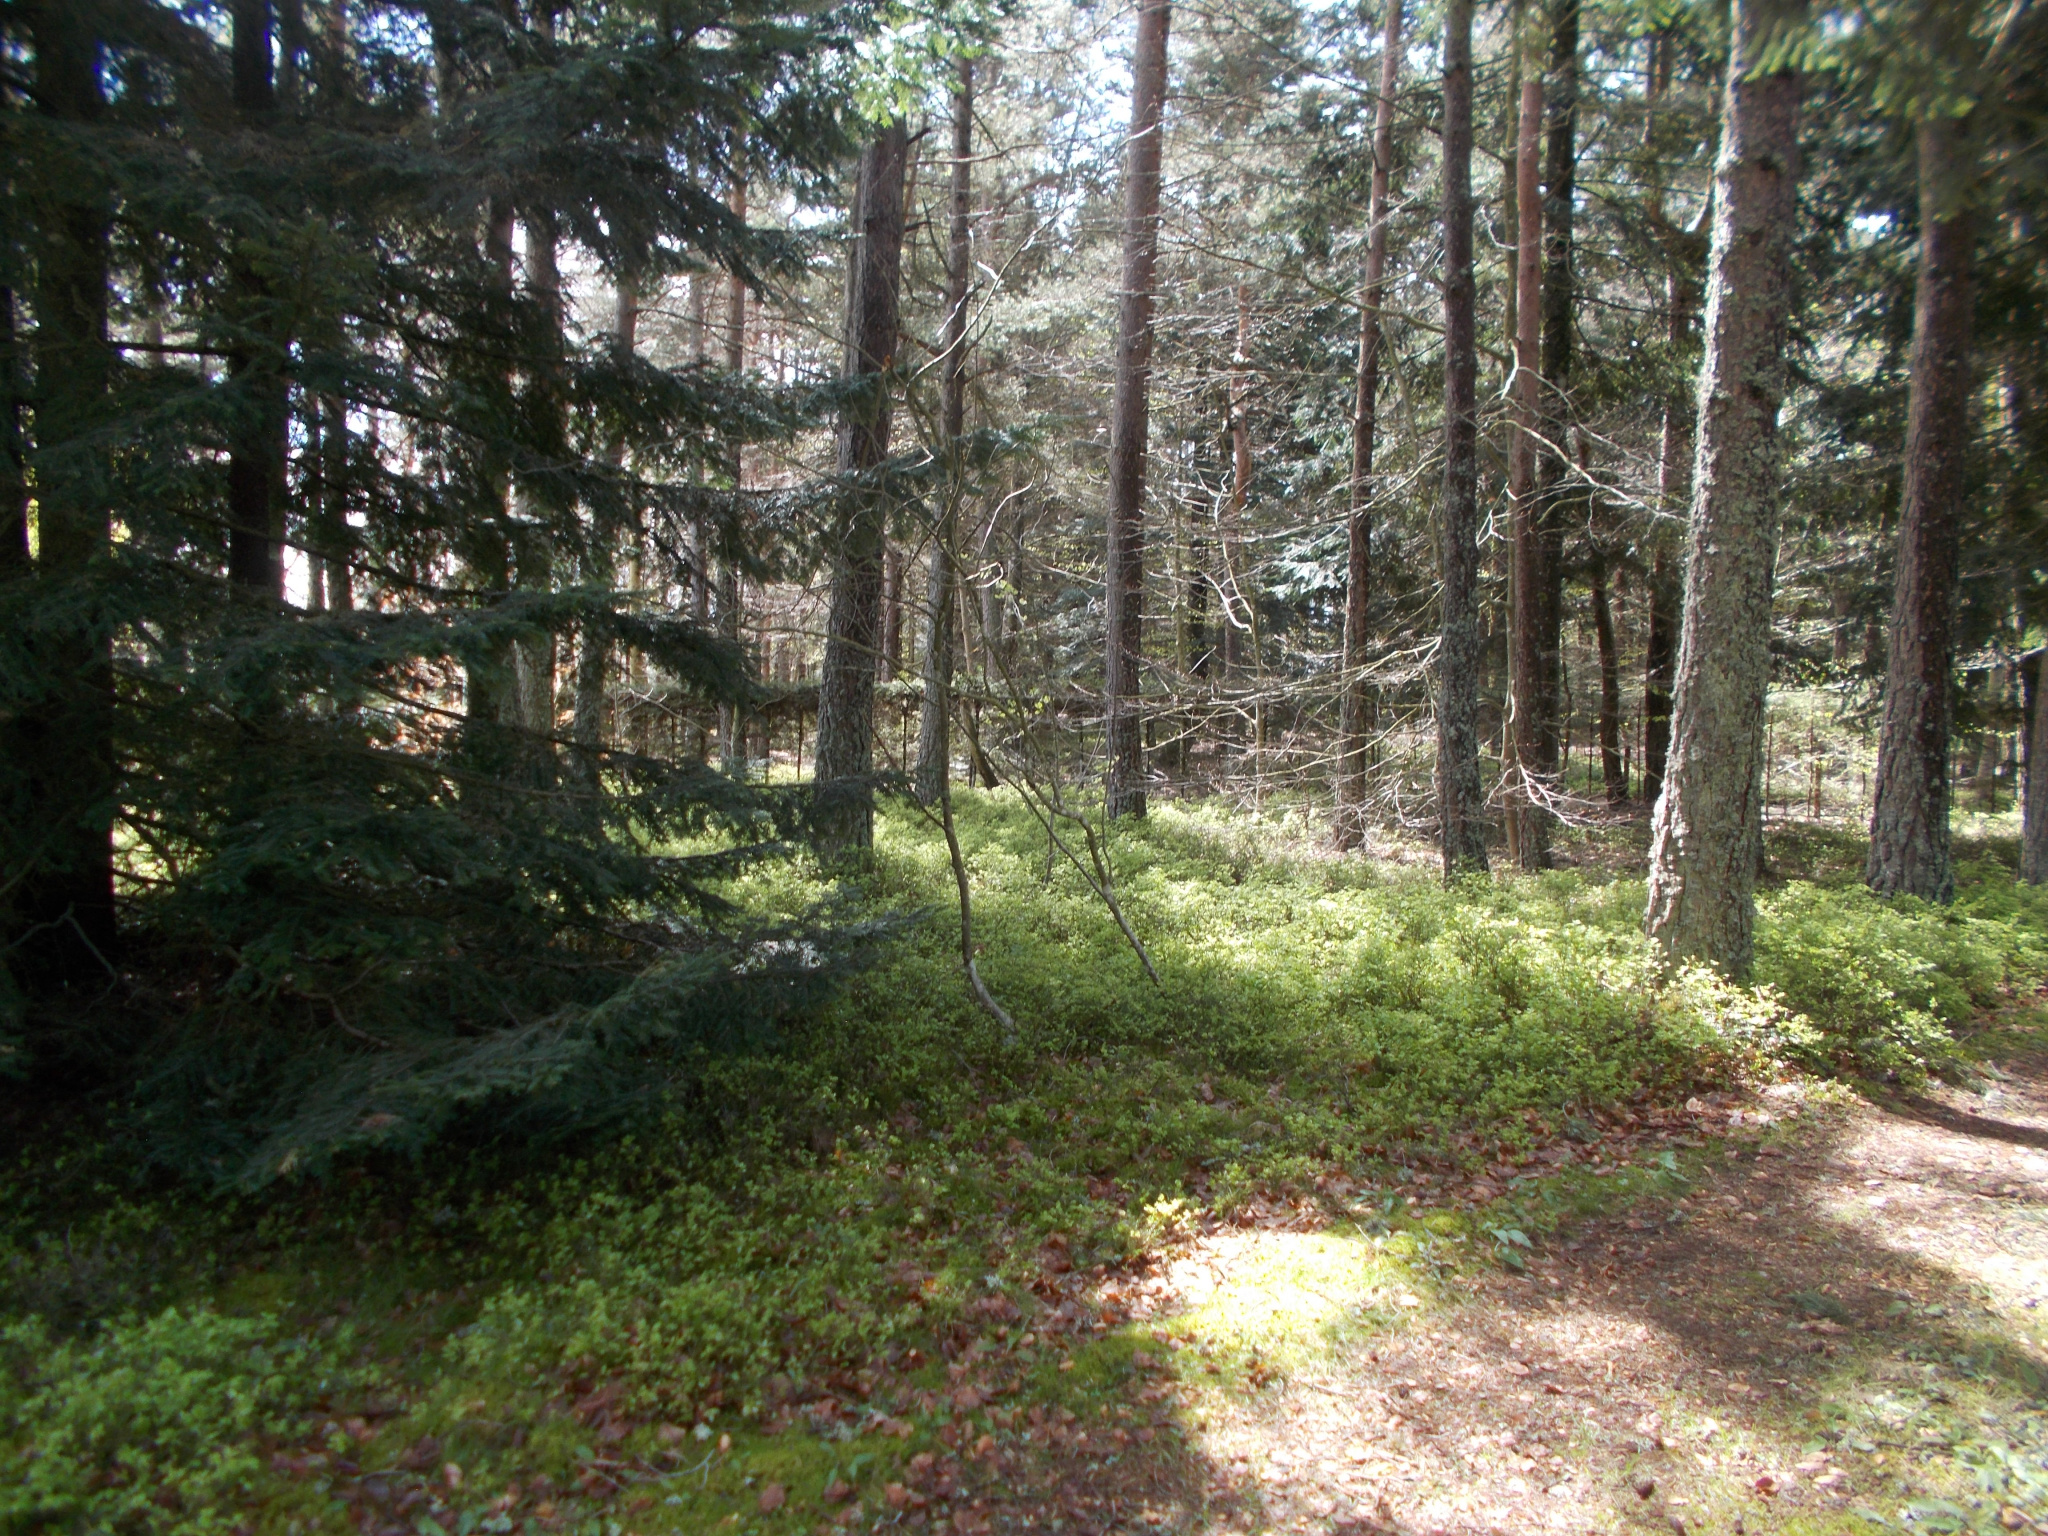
x=912 y=1270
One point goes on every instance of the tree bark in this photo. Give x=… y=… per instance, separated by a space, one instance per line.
x=14 y=393
x=1612 y=778
x=846 y=687
x=1355 y=711
x=533 y=541
x=256 y=496
x=1130 y=420
x=934 y=724
x=594 y=647
x=890 y=662
x=732 y=751
x=1706 y=836
x=1240 y=631
x=1674 y=482
x=1909 y=830
x=1459 y=792
x=2034 y=816
x=1554 y=493
x=62 y=918
x=1528 y=822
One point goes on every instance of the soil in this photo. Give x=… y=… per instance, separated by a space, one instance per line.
x=1833 y=1326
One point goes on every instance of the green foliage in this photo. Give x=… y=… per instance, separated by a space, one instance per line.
x=152 y=1425
x=1885 y=983
x=366 y=890
x=891 y=1177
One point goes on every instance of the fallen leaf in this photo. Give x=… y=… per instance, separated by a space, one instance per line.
x=837 y=1490
x=772 y=1498
x=896 y=1496
x=1767 y=1485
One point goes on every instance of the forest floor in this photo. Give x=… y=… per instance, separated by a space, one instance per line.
x=1388 y=1208
x=1830 y=1324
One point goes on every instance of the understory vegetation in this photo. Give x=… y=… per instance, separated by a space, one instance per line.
x=886 y=1211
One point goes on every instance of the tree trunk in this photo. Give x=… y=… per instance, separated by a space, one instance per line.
x=1707 y=834
x=256 y=495
x=1130 y=420
x=1240 y=644
x=889 y=665
x=2034 y=818
x=14 y=394
x=1528 y=822
x=732 y=751
x=1612 y=777
x=62 y=917
x=846 y=687
x=1674 y=483
x=593 y=655
x=1459 y=791
x=934 y=724
x=534 y=545
x=1554 y=493
x=1909 y=831
x=1355 y=705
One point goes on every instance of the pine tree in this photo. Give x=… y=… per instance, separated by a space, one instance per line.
x=1130 y=418
x=1706 y=837
x=272 y=317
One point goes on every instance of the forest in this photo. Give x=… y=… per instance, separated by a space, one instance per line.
x=1023 y=765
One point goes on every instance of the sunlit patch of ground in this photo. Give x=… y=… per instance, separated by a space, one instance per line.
x=1833 y=1331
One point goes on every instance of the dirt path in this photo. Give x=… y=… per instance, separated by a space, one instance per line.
x=1833 y=1328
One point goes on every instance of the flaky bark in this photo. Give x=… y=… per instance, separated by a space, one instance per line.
x=846 y=687
x=1460 y=795
x=1909 y=831
x=1706 y=837
x=1130 y=418
x=934 y=724
x=1355 y=710
x=1528 y=823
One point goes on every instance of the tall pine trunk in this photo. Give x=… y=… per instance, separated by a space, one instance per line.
x=256 y=455
x=62 y=743
x=732 y=751
x=1674 y=481
x=594 y=639
x=1355 y=712
x=1460 y=794
x=846 y=686
x=1554 y=493
x=1130 y=419
x=1240 y=634
x=1527 y=820
x=934 y=724
x=2034 y=815
x=533 y=542
x=1612 y=777
x=1706 y=836
x=1909 y=831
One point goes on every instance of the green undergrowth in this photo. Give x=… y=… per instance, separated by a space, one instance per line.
x=880 y=1210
